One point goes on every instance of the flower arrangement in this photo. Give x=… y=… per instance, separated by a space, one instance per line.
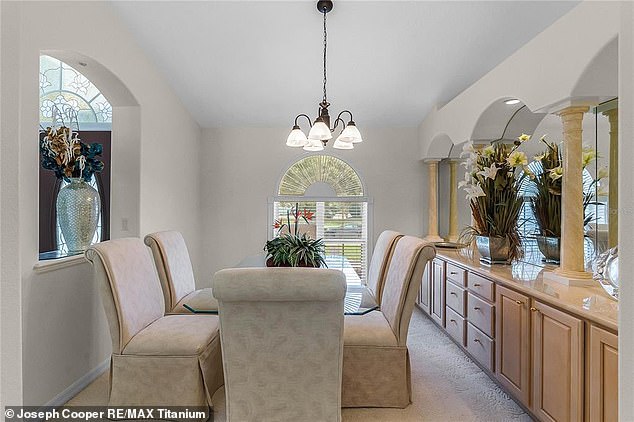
x=62 y=152
x=546 y=202
x=492 y=182
x=294 y=250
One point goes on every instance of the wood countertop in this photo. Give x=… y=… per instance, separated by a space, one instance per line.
x=591 y=303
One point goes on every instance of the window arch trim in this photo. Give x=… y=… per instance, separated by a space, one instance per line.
x=364 y=197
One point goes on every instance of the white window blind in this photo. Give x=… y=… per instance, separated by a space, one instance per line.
x=343 y=227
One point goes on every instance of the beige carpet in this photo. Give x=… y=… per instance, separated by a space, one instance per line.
x=447 y=386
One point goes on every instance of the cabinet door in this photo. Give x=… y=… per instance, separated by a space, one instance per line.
x=512 y=343
x=438 y=292
x=557 y=364
x=604 y=381
x=425 y=289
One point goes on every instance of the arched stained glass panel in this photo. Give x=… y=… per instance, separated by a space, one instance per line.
x=334 y=172
x=63 y=86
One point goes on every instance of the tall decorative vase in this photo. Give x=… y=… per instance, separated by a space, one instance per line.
x=78 y=207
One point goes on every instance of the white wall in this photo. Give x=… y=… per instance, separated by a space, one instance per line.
x=60 y=334
x=626 y=210
x=241 y=168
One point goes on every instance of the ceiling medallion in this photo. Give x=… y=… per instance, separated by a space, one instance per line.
x=320 y=130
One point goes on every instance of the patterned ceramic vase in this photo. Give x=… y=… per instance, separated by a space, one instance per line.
x=78 y=207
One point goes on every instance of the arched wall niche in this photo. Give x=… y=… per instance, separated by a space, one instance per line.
x=505 y=121
x=126 y=141
x=440 y=146
x=536 y=73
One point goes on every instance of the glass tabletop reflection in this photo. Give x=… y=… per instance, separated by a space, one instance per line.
x=359 y=300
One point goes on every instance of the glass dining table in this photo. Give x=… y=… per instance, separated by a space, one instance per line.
x=359 y=299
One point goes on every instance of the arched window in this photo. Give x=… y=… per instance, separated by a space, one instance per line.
x=68 y=97
x=62 y=85
x=331 y=189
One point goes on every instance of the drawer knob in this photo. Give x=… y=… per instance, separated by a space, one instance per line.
x=476 y=308
x=453 y=273
x=452 y=320
x=519 y=302
x=476 y=340
x=453 y=293
x=534 y=309
x=476 y=285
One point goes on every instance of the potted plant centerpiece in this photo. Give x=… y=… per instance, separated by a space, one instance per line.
x=78 y=204
x=492 y=182
x=546 y=198
x=294 y=249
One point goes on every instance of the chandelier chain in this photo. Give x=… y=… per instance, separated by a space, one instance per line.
x=325 y=46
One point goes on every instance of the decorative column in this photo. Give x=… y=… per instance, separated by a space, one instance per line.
x=572 y=270
x=453 y=200
x=432 y=186
x=613 y=181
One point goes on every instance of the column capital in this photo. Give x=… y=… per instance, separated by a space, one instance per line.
x=454 y=160
x=431 y=160
x=612 y=114
x=572 y=110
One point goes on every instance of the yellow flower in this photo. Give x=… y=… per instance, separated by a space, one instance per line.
x=556 y=173
x=588 y=155
x=524 y=137
x=488 y=151
x=517 y=158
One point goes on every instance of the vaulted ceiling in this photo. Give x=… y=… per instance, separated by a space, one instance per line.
x=259 y=63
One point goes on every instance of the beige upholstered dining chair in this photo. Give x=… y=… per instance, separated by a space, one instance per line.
x=172 y=360
x=380 y=259
x=176 y=274
x=282 y=342
x=376 y=369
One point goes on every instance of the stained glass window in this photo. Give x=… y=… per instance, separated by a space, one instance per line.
x=63 y=86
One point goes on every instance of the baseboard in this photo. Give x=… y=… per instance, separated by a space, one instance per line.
x=78 y=385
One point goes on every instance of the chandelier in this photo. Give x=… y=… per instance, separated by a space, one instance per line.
x=320 y=131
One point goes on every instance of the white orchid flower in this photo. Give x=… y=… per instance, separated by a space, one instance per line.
x=467 y=149
x=489 y=172
x=517 y=158
x=467 y=180
x=475 y=191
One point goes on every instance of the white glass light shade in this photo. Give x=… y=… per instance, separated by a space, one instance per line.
x=350 y=134
x=296 y=138
x=342 y=145
x=320 y=132
x=314 y=145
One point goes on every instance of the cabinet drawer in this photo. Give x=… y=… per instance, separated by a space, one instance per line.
x=455 y=325
x=480 y=346
x=480 y=314
x=456 y=274
x=456 y=298
x=481 y=286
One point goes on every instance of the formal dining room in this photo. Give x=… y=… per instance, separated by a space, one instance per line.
x=316 y=211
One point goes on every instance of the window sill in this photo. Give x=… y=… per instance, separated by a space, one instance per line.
x=57 y=264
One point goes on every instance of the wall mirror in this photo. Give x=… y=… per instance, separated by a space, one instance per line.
x=604 y=228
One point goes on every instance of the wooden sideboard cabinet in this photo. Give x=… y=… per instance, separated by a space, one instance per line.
x=513 y=351
x=425 y=290
x=437 y=299
x=603 y=380
x=559 y=360
x=558 y=366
